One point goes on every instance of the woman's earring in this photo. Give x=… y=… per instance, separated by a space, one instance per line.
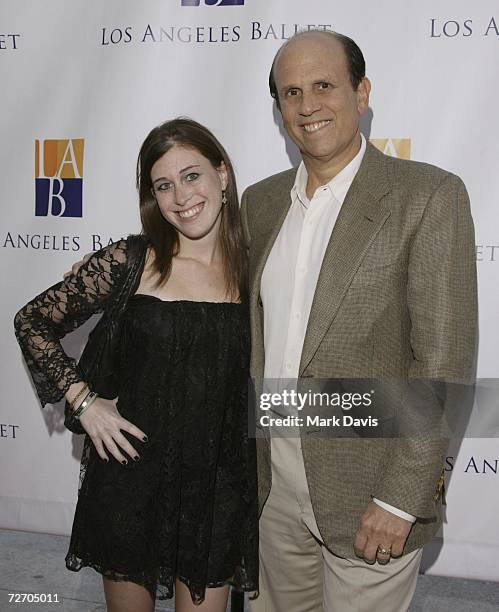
x=224 y=199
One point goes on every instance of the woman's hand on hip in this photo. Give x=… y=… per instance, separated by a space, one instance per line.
x=104 y=424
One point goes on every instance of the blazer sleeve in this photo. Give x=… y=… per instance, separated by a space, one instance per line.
x=42 y=322
x=442 y=288
x=442 y=302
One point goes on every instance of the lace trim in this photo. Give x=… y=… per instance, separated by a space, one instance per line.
x=160 y=582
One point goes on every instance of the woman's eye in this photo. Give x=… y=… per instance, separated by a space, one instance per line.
x=163 y=187
x=192 y=176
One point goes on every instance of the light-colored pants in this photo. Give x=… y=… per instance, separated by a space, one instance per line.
x=299 y=574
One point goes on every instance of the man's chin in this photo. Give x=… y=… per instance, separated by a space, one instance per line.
x=319 y=153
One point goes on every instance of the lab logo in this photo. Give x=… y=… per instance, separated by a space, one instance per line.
x=213 y=2
x=396 y=147
x=59 y=177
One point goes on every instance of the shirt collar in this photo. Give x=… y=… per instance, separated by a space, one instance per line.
x=338 y=185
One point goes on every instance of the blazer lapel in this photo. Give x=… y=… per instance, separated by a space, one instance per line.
x=361 y=217
x=273 y=212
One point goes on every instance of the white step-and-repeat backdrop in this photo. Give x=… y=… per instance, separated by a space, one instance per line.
x=97 y=76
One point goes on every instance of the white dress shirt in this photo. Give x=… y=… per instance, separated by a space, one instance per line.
x=292 y=270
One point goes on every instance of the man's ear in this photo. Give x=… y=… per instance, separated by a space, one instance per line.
x=363 y=91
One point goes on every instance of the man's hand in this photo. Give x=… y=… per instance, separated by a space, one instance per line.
x=76 y=266
x=381 y=535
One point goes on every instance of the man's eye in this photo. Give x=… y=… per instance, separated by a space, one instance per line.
x=192 y=176
x=324 y=85
x=292 y=92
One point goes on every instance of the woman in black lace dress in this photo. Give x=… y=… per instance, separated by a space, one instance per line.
x=168 y=495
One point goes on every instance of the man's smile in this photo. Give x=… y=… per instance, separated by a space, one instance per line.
x=315 y=127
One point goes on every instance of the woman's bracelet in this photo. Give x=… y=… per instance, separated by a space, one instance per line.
x=80 y=394
x=75 y=406
x=86 y=403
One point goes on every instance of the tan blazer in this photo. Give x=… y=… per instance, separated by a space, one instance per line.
x=396 y=297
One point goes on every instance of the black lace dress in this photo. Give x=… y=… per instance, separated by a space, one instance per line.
x=188 y=508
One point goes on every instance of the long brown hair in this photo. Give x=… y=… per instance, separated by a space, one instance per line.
x=161 y=234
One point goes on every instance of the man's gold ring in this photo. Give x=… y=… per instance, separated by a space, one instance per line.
x=384 y=551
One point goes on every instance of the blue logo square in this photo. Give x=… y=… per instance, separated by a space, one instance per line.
x=57 y=197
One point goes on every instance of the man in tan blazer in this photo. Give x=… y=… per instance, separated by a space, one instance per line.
x=361 y=266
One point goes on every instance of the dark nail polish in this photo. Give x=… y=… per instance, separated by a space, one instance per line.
x=136 y=458
x=124 y=462
x=145 y=439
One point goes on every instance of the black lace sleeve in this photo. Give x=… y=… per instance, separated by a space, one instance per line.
x=61 y=309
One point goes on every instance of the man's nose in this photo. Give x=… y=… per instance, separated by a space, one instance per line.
x=309 y=104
